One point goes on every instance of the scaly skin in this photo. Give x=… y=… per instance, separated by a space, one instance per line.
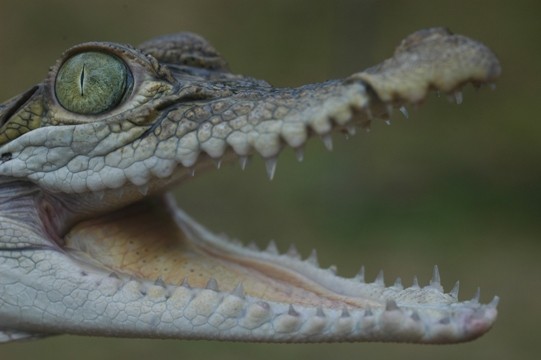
x=90 y=242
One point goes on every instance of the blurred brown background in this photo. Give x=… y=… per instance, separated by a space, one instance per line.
x=457 y=186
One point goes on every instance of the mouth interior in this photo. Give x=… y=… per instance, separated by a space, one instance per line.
x=153 y=240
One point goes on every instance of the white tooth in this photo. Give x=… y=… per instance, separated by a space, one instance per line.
x=477 y=296
x=351 y=129
x=435 y=282
x=239 y=291
x=455 y=289
x=159 y=282
x=327 y=141
x=369 y=113
x=332 y=269
x=388 y=121
x=389 y=109
x=312 y=259
x=360 y=275
x=458 y=97
x=270 y=165
x=404 y=112
x=293 y=252
x=191 y=171
x=212 y=284
x=272 y=248
x=100 y=194
x=291 y=311
x=494 y=302
x=299 y=154
x=243 y=160
x=252 y=246
x=185 y=283
x=218 y=163
x=380 y=279
x=345 y=313
x=143 y=189
x=398 y=283
x=391 y=305
x=415 y=284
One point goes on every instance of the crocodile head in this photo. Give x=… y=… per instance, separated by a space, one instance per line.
x=91 y=243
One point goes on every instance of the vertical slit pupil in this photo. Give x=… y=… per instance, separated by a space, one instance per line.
x=82 y=80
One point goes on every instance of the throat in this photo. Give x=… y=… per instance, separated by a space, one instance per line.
x=146 y=241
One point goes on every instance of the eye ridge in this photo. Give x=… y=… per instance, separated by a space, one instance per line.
x=92 y=82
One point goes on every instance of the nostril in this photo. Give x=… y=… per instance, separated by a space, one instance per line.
x=5 y=157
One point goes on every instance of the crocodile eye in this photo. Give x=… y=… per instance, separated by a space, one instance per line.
x=91 y=83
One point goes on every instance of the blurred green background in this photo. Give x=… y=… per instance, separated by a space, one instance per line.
x=457 y=186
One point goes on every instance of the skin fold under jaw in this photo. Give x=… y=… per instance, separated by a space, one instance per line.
x=91 y=243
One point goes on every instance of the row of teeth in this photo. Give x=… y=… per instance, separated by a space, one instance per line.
x=312 y=259
x=351 y=130
x=239 y=291
x=321 y=128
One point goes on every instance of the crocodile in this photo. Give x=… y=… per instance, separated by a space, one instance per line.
x=92 y=242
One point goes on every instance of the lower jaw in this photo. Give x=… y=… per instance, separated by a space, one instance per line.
x=152 y=240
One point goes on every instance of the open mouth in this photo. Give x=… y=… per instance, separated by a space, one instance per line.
x=132 y=264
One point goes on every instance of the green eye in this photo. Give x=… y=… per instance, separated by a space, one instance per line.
x=91 y=83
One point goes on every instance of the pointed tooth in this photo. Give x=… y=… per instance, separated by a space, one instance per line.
x=368 y=112
x=454 y=291
x=351 y=129
x=391 y=305
x=332 y=269
x=360 y=275
x=270 y=165
x=458 y=97
x=252 y=246
x=185 y=283
x=272 y=248
x=445 y=321
x=327 y=141
x=415 y=316
x=159 y=282
x=415 y=284
x=243 y=161
x=143 y=189
x=191 y=171
x=389 y=109
x=494 y=302
x=380 y=279
x=291 y=311
x=218 y=163
x=404 y=112
x=398 y=283
x=293 y=252
x=435 y=282
x=312 y=259
x=212 y=284
x=477 y=295
x=238 y=291
x=100 y=194
x=299 y=154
